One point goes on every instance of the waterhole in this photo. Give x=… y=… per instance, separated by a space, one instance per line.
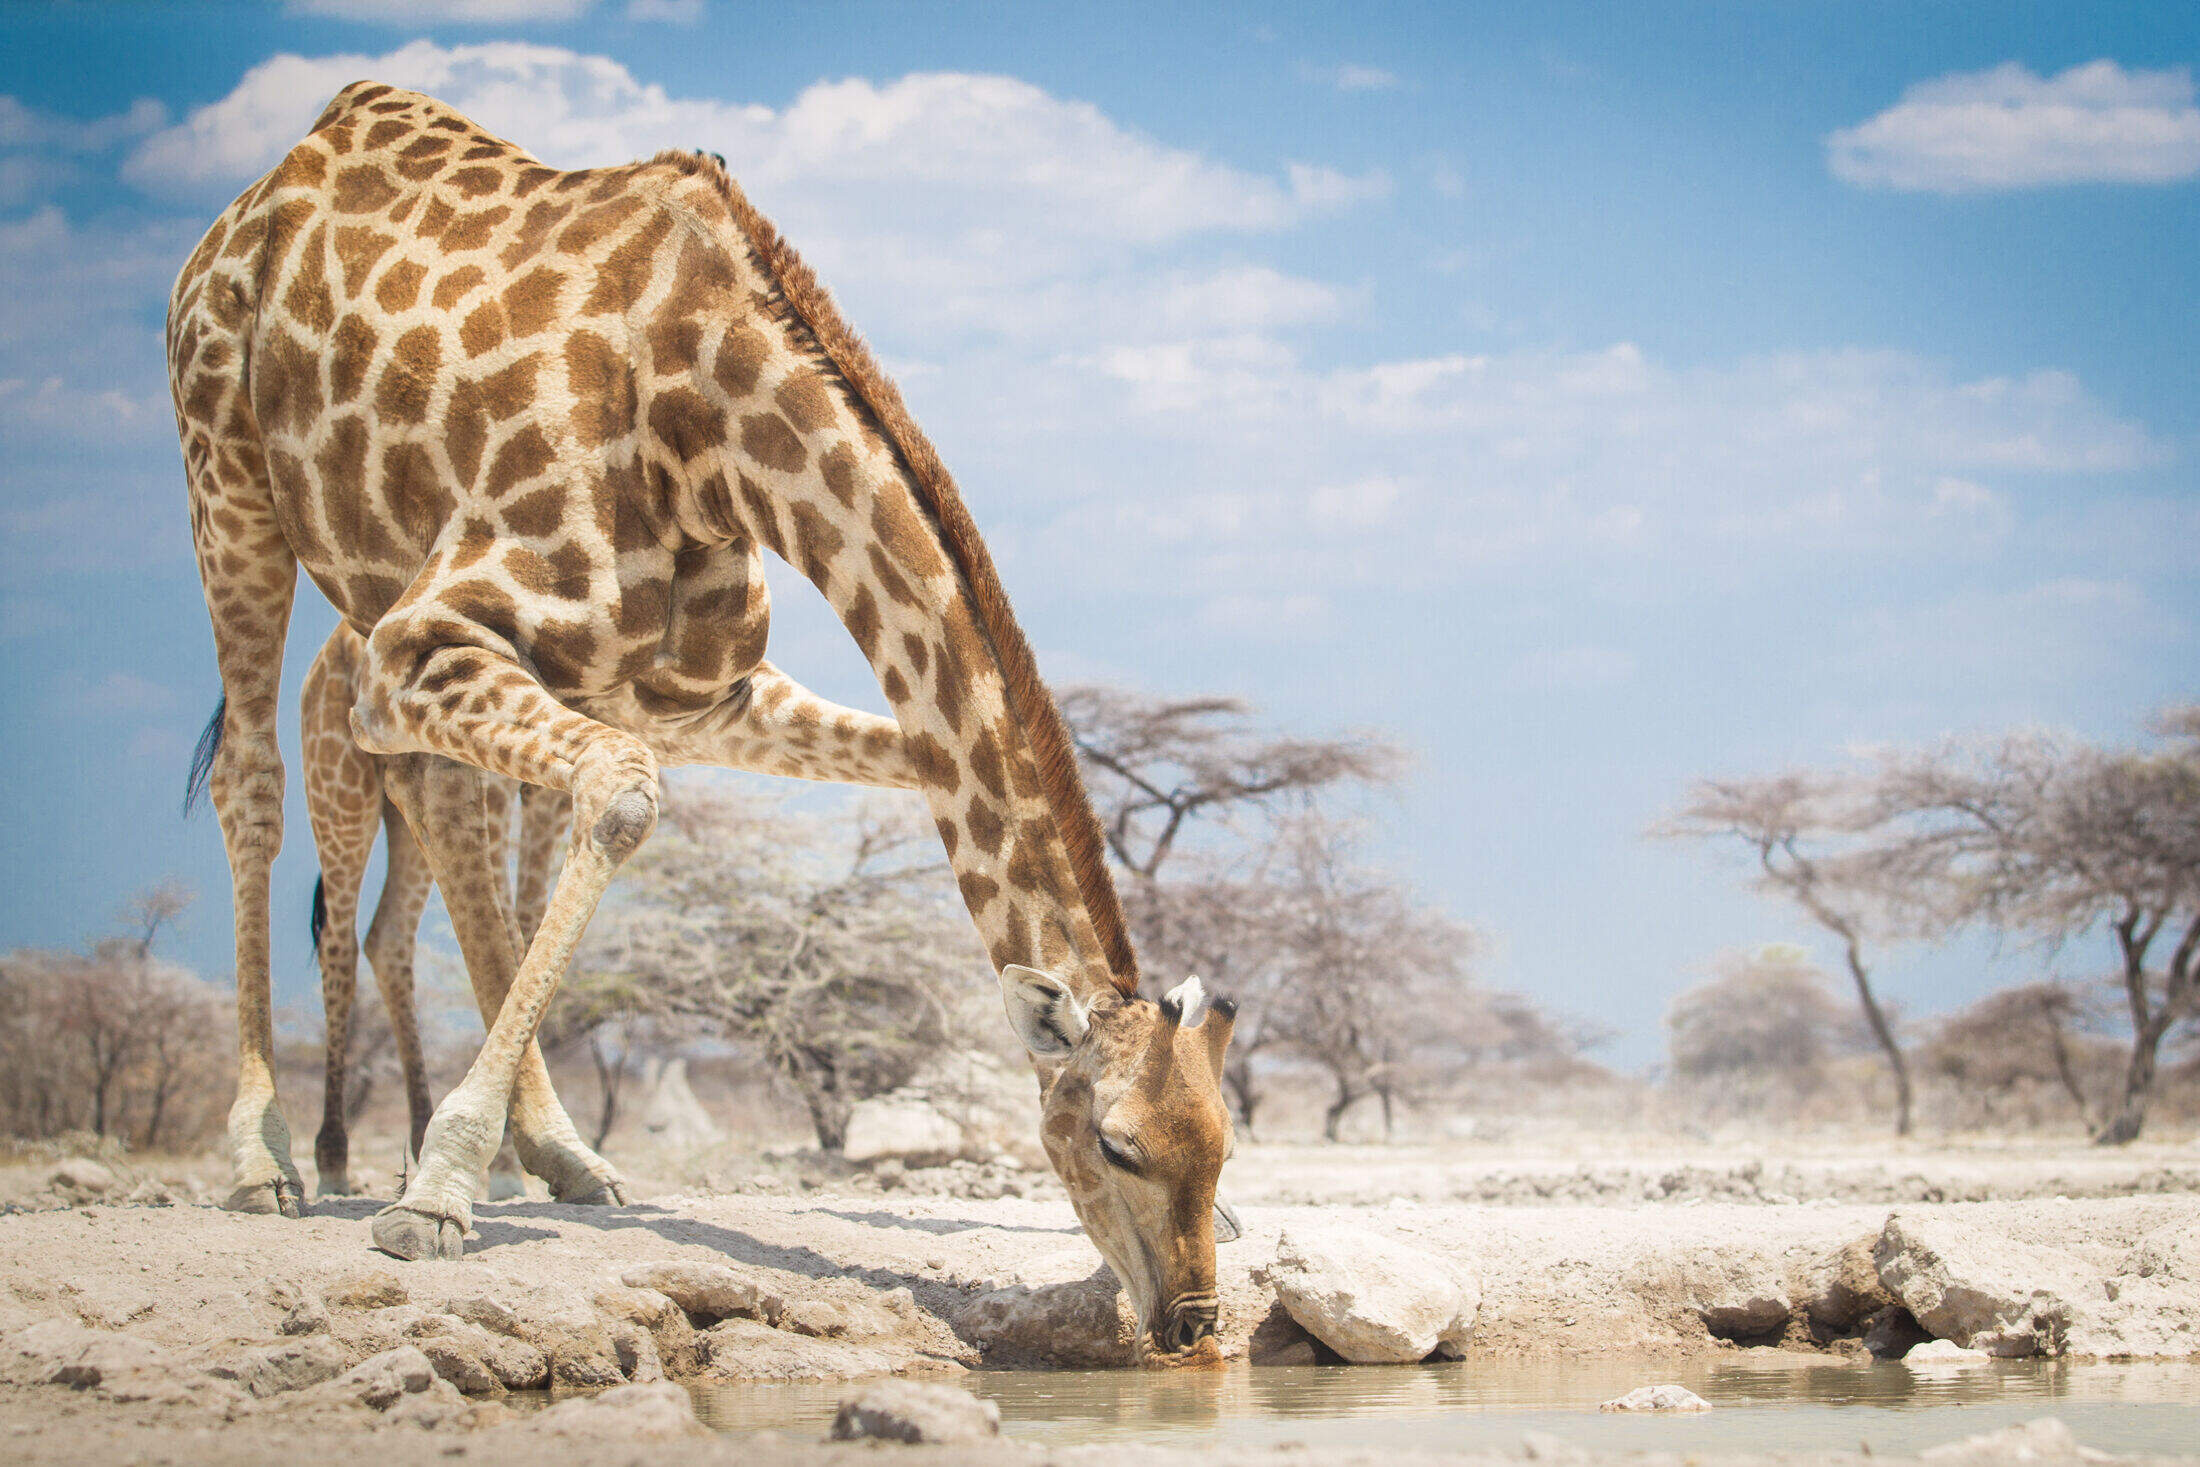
x=1763 y=1402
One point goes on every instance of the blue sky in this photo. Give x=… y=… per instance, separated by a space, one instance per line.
x=1591 y=397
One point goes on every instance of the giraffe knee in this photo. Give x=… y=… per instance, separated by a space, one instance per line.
x=247 y=786
x=625 y=822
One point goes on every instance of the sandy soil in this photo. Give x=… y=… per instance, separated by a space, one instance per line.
x=1577 y=1253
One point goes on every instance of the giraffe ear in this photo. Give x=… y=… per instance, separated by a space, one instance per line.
x=1045 y=1014
x=1186 y=1003
x=1227 y=1227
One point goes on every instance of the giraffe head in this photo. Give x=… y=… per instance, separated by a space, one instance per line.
x=1133 y=1119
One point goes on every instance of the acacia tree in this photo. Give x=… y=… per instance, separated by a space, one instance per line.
x=1156 y=765
x=2051 y=839
x=112 y=1040
x=1370 y=980
x=826 y=942
x=1807 y=833
x=1763 y=1028
x=2029 y=1035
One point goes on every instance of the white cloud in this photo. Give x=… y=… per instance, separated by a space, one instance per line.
x=1317 y=189
x=1125 y=388
x=1353 y=78
x=2032 y=641
x=668 y=12
x=25 y=127
x=992 y=158
x=77 y=362
x=447 y=12
x=41 y=151
x=1265 y=618
x=2008 y=128
x=1243 y=469
x=1360 y=505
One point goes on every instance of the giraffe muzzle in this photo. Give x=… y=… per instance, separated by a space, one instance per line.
x=1189 y=1320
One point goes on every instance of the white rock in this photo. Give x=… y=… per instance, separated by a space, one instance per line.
x=1372 y=1299
x=1987 y=1292
x=659 y=1411
x=381 y=1381
x=1944 y=1352
x=80 y=1178
x=705 y=1290
x=2043 y=1440
x=913 y=1411
x=1657 y=1398
x=1076 y=1324
x=565 y=1325
x=120 y=1367
x=2150 y=1306
x=1841 y=1289
x=290 y=1365
x=902 y=1127
x=1737 y=1292
x=989 y=1099
x=747 y=1349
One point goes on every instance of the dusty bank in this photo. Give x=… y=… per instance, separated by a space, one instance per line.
x=137 y=1325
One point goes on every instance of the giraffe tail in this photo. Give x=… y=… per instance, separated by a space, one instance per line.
x=202 y=756
x=320 y=909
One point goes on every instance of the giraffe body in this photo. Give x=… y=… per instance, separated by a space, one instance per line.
x=530 y=432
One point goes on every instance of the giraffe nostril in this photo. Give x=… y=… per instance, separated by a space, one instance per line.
x=1188 y=1324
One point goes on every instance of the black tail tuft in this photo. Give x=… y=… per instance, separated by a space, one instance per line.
x=202 y=757
x=320 y=909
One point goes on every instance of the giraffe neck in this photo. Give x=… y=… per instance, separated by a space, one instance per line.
x=823 y=464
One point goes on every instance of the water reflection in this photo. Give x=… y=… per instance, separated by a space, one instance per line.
x=1764 y=1400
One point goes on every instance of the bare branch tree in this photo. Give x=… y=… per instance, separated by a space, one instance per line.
x=834 y=945
x=1155 y=764
x=1803 y=830
x=1762 y=1033
x=2052 y=839
x=2028 y=1036
x=1370 y=980
x=113 y=1040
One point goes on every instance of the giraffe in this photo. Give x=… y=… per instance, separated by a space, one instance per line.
x=350 y=794
x=530 y=431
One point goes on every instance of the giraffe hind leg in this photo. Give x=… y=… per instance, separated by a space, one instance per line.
x=249 y=573
x=391 y=939
x=343 y=805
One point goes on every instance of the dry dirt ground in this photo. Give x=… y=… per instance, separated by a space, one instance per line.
x=1579 y=1247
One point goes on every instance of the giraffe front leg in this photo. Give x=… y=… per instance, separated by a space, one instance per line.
x=780 y=727
x=460 y=819
x=467 y=702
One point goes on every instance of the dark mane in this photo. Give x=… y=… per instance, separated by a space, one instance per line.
x=1028 y=696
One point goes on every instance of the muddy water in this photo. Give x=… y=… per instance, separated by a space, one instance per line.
x=1764 y=1402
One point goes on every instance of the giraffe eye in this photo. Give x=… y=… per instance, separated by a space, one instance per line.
x=1115 y=1155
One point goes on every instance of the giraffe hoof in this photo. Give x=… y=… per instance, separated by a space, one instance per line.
x=266 y=1198
x=414 y=1236
x=609 y=1194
